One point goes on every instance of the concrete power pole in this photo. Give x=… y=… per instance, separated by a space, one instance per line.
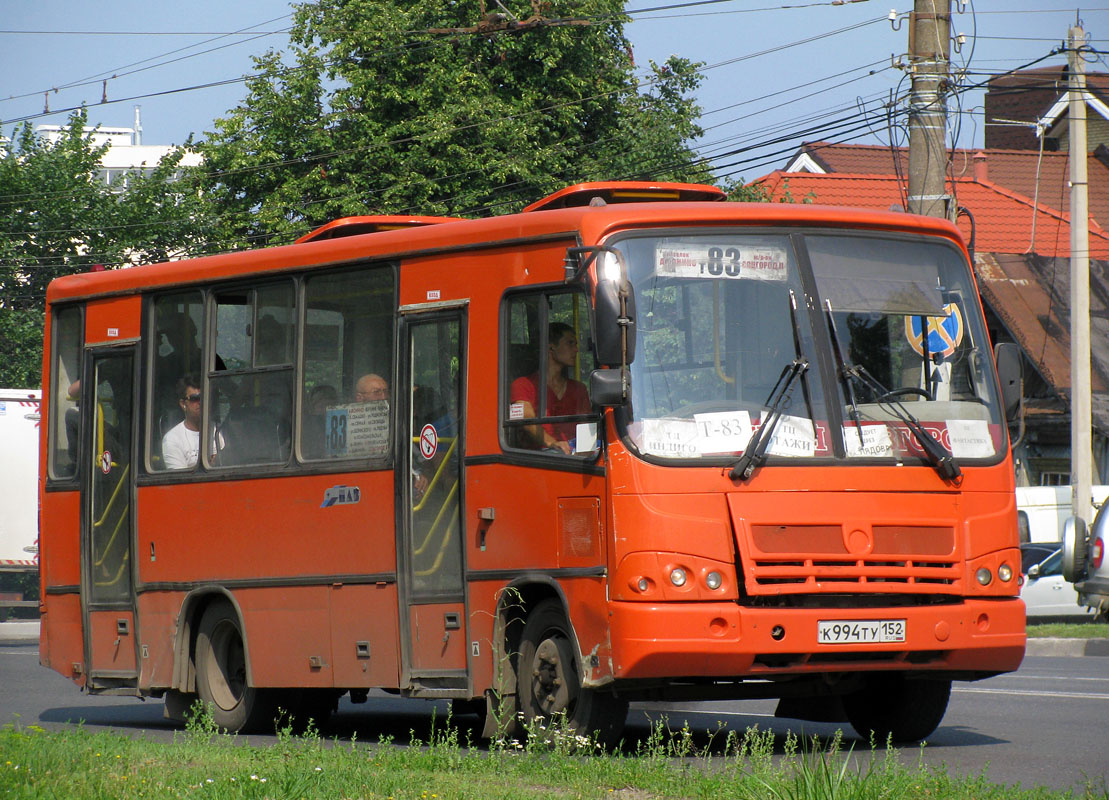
x=929 y=60
x=1081 y=414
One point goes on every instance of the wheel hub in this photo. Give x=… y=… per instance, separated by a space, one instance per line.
x=550 y=687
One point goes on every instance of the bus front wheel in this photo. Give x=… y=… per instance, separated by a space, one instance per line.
x=221 y=679
x=892 y=706
x=549 y=684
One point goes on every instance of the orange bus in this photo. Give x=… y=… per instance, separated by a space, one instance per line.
x=630 y=443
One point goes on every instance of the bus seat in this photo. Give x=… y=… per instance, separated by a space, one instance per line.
x=252 y=435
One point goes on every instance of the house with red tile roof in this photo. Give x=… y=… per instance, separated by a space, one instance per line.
x=1021 y=249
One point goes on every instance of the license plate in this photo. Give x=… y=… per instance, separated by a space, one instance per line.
x=859 y=631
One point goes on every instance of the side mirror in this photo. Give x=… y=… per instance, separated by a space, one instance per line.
x=608 y=387
x=614 y=333
x=1034 y=571
x=1010 y=372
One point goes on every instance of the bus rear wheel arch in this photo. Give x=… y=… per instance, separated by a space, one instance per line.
x=221 y=674
x=549 y=689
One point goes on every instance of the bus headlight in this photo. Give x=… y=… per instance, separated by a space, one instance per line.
x=713 y=580
x=985 y=577
x=678 y=576
x=1005 y=573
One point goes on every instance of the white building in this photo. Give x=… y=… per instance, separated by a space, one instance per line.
x=126 y=154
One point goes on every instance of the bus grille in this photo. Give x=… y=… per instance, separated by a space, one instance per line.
x=900 y=559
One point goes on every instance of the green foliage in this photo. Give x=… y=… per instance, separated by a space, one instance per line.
x=386 y=107
x=21 y=331
x=58 y=217
x=751 y=765
x=1068 y=630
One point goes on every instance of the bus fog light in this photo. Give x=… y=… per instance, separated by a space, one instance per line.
x=643 y=585
x=1005 y=573
x=677 y=576
x=985 y=577
x=713 y=580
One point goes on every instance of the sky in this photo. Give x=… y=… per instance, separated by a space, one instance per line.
x=774 y=74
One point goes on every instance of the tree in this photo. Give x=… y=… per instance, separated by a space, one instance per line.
x=59 y=217
x=441 y=108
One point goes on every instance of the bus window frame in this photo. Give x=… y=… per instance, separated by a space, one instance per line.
x=825 y=369
x=295 y=464
x=53 y=481
x=587 y=461
x=304 y=277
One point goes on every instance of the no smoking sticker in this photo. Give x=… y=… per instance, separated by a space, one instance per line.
x=429 y=441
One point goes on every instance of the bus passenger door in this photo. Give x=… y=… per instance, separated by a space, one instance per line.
x=431 y=572
x=108 y=491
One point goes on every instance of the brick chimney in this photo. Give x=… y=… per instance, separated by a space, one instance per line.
x=981 y=173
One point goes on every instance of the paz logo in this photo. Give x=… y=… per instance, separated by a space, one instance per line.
x=341 y=496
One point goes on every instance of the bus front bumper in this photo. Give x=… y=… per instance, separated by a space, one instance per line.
x=722 y=640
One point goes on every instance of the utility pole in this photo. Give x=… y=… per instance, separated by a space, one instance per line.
x=1081 y=448
x=929 y=61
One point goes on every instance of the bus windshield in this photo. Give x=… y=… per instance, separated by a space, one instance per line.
x=729 y=338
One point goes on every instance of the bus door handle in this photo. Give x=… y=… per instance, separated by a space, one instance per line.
x=451 y=622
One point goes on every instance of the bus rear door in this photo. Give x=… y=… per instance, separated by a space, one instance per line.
x=107 y=499
x=431 y=571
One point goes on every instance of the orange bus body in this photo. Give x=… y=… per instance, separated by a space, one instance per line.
x=673 y=579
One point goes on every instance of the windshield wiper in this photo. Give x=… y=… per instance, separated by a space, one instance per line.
x=940 y=457
x=776 y=403
x=845 y=377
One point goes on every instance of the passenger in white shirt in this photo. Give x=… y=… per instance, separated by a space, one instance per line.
x=181 y=444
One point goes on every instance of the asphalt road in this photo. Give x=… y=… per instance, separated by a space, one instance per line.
x=1045 y=725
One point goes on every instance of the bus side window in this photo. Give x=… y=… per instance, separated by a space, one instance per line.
x=250 y=402
x=175 y=352
x=548 y=347
x=68 y=338
x=348 y=334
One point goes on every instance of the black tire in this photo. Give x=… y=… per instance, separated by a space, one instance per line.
x=549 y=681
x=892 y=706
x=221 y=679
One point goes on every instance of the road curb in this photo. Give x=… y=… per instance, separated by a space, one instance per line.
x=1067 y=647
x=26 y=632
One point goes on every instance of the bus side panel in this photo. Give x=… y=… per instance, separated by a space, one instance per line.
x=364 y=636
x=547 y=523
x=60 y=541
x=482 y=600
x=112 y=319
x=61 y=635
x=590 y=620
x=158 y=621
x=288 y=639
x=284 y=554
x=61 y=642
x=277 y=530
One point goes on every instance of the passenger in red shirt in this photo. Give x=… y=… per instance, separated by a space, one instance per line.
x=565 y=396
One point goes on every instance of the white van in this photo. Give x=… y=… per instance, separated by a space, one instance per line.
x=19 y=458
x=1042 y=510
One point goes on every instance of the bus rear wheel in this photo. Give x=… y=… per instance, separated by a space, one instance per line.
x=221 y=679
x=549 y=684
x=892 y=706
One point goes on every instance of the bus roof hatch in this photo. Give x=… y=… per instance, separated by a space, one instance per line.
x=354 y=226
x=608 y=192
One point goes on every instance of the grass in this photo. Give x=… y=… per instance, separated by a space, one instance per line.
x=1069 y=630
x=201 y=762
